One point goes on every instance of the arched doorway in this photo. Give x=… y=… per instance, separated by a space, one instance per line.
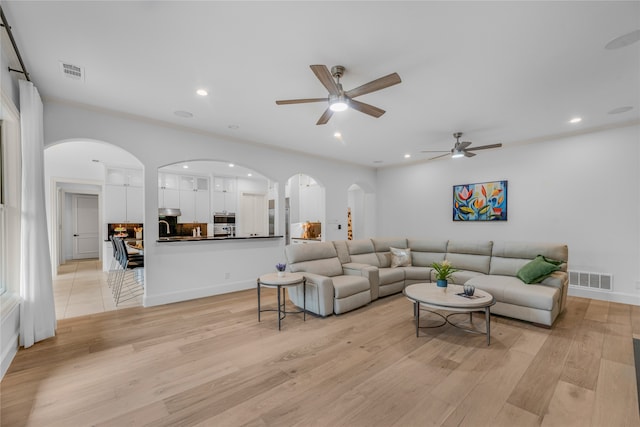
x=361 y=211
x=304 y=209
x=88 y=184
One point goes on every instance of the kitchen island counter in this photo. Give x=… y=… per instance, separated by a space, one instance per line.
x=210 y=238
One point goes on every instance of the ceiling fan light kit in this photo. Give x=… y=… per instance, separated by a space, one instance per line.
x=338 y=103
x=338 y=99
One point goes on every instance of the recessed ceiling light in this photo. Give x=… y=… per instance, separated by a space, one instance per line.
x=337 y=135
x=623 y=40
x=234 y=127
x=406 y=156
x=575 y=120
x=249 y=174
x=185 y=166
x=620 y=110
x=202 y=92
x=184 y=114
x=231 y=165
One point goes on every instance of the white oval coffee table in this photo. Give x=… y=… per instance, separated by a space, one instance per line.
x=431 y=297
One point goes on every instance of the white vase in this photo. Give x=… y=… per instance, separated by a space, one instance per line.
x=281 y=273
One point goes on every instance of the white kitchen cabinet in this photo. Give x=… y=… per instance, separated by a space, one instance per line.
x=194 y=199
x=225 y=196
x=168 y=191
x=252 y=218
x=124 y=196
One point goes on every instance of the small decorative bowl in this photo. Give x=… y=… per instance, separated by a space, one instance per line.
x=469 y=290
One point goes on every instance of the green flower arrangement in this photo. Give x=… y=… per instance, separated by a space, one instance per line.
x=443 y=269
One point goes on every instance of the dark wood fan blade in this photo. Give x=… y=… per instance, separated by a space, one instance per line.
x=435 y=151
x=485 y=147
x=372 y=86
x=300 y=101
x=463 y=145
x=366 y=108
x=441 y=155
x=325 y=77
x=468 y=154
x=324 y=118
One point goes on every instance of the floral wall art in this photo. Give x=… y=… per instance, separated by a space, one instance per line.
x=486 y=201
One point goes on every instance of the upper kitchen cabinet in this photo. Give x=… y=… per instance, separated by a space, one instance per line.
x=225 y=194
x=168 y=191
x=194 y=199
x=124 y=195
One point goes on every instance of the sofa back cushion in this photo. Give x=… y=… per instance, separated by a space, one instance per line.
x=362 y=251
x=469 y=255
x=509 y=257
x=342 y=250
x=319 y=258
x=425 y=252
x=383 y=246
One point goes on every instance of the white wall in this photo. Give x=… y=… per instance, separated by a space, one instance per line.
x=177 y=271
x=582 y=190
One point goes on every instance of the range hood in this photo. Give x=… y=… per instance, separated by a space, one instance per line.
x=169 y=212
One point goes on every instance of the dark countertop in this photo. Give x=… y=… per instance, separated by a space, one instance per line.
x=210 y=238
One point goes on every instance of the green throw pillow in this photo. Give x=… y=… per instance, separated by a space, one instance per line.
x=538 y=269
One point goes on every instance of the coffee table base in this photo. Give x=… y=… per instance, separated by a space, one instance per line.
x=487 y=311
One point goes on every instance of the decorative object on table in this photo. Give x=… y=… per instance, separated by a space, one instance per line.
x=444 y=270
x=469 y=290
x=138 y=231
x=281 y=269
x=485 y=201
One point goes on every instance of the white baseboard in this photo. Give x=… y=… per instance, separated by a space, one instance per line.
x=605 y=295
x=177 y=296
x=10 y=331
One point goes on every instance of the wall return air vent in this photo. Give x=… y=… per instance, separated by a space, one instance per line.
x=72 y=71
x=584 y=279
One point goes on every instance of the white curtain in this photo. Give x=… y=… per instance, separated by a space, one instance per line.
x=37 y=312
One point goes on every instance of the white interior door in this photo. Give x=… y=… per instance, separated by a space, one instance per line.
x=85 y=226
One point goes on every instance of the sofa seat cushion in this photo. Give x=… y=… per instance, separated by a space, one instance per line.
x=417 y=273
x=391 y=275
x=345 y=286
x=511 y=290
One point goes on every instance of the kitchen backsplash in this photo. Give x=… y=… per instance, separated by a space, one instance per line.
x=126 y=231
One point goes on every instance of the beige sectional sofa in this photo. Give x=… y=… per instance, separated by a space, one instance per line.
x=345 y=275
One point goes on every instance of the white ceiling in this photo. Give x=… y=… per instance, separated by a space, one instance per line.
x=509 y=72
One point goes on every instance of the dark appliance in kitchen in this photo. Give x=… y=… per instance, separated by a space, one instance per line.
x=224 y=224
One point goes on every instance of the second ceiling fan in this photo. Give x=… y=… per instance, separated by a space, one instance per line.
x=461 y=149
x=338 y=99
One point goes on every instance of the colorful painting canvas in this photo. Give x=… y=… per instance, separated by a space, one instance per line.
x=486 y=201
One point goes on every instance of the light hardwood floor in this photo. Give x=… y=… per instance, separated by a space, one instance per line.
x=208 y=362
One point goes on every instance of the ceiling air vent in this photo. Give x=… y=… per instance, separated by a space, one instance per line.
x=72 y=71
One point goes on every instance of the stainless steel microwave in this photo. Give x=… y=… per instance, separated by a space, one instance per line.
x=224 y=218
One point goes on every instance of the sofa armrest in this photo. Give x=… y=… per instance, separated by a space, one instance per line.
x=324 y=286
x=560 y=280
x=370 y=272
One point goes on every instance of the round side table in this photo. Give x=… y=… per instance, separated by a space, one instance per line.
x=273 y=280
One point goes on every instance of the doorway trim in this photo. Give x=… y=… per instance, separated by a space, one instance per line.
x=56 y=198
x=78 y=217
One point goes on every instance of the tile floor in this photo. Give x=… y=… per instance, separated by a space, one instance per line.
x=80 y=288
